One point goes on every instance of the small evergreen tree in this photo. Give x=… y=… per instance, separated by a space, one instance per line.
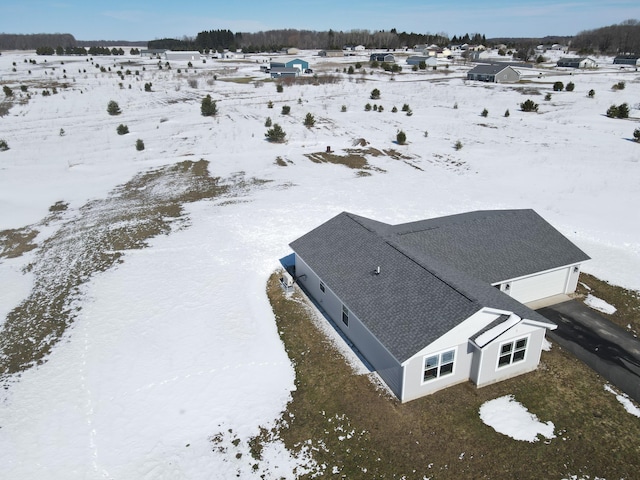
x=8 y=92
x=367 y=107
x=351 y=70
x=618 y=86
x=147 y=87
x=547 y=97
x=286 y=109
x=506 y=113
x=485 y=112
x=570 y=87
x=394 y=109
x=4 y=146
x=591 y=94
x=344 y=108
x=401 y=137
x=275 y=134
x=619 y=111
x=269 y=104
x=309 y=121
x=279 y=88
x=612 y=111
x=529 y=106
x=405 y=107
x=267 y=122
x=208 y=108
x=139 y=145
x=457 y=145
x=558 y=86
x=375 y=94
x=113 y=108
x=122 y=129
x=636 y=135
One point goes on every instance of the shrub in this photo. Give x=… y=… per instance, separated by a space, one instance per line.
x=380 y=108
x=618 y=86
x=113 y=108
x=351 y=70
x=591 y=94
x=558 y=86
x=636 y=135
x=547 y=97
x=485 y=112
x=62 y=132
x=457 y=145
x=279 y=88
x=275 y=134
x=620 y=111
x=375 y=107
x=4 y=146
x=394 y=109
x=375 y=94
x=7 y=91
x=426 y=133
x=506 y=113
x=367 y=107
x=570 y=87
x=286 y=109
x=139 y=145
x=208 y=108
x=344 y=108
x=147 y=87
x=401 y=137
x=122 y=129
x=455 y=106
x=358 y=65
x=529 y=106
x=267 y=122
x=309 y=121
x=409 y=112
x=405 y=107
x=540 y=59
x=269 y=104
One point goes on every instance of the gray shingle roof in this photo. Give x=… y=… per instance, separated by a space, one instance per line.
x=418 y=295
x=488 y=69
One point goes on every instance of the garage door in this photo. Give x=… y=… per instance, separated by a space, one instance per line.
x=540 y=286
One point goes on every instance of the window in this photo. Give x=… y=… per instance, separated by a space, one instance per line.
x=322 y=287
x=512 y=352
x=345 y=315
x=438 y=365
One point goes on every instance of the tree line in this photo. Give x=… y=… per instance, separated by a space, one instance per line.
x=623 y=38
x=9 y=41
x=274 y=40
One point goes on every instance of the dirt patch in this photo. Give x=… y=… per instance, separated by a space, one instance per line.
x=92 y=240
x=354 y=429
x=352 y=159
x=15 y=242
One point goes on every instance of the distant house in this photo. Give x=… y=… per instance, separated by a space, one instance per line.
x=437 y=302
x=436 y=51
x=153 y=52
x=478 y=55
x=281 y=72
x=291 y=51
x=577 y=62
x=417 y=59
x=495 y=73
x=331 y=53
x=182 y=55
x=633 y=60
x=382 y=57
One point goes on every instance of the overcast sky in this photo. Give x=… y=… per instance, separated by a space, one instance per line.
x=148 y=20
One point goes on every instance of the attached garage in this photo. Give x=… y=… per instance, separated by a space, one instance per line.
x=539 y=286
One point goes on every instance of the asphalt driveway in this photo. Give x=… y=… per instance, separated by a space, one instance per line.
x=605 y=347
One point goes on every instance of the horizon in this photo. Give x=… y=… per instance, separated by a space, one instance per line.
x=139 y=21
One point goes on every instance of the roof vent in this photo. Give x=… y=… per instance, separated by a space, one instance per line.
x=377 y=270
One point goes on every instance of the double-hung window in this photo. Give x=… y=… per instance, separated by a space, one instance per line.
x=512 y=352
x=345 y=315
x=436 y=366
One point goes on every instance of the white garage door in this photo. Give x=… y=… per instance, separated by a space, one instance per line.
x=540 y=286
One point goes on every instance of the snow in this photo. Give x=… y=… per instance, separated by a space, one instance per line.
x=599 y=304
x=626 y=402
x=177 y=344
x=508 y=417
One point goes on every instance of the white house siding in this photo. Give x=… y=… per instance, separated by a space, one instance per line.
x=486 y=371
x=382 y=361
x=509 y=75
x=554 y=282
x=415 y=387
x=189 y=56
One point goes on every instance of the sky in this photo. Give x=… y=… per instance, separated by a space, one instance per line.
x=146 y=20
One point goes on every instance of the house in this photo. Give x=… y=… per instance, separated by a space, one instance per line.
x=438 y=302
x=281 y=72
x=153 y=52
x=182 y=55
x=495 y=73
x=478 y=55
x=417 y=59
x=382 y=57
x=577 y=62
x=633 y=60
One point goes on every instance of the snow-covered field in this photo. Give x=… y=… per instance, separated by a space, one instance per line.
x=173 y=344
